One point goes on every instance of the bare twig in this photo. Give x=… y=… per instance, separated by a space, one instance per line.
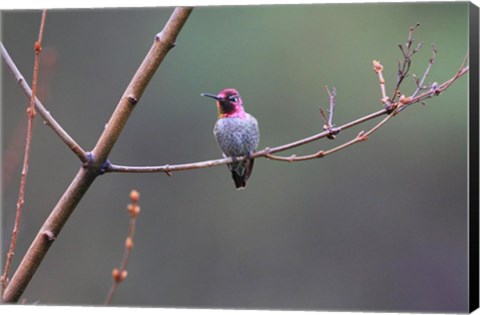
x=404 y=67
x=328 y=126
x=427 y=71
x=26 y=158
x=48 y=118
x=437 y=89
x=378 y=68
x=331 y=96
x=120 y=274
x=362 y=136
x=461 y=71
x=295 y=158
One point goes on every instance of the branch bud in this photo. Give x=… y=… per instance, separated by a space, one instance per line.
x=133 y=210
x=134 y=196
x=38 y=47
x=404 y=100
x=116 y=275
x=119 y=276
x=129 y=243
x=377 y=66
x=31 y=112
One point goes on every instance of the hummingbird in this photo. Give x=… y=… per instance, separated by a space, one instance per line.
x=236 y=132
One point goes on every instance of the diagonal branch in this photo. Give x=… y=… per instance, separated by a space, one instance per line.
x=425 y=74
x=89 y=171
x=328 y=126
x=26 y=157
x=48 y=118
x=119 y=274
x=408 y=52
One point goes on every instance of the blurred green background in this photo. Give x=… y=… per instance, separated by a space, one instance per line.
x=380 y=226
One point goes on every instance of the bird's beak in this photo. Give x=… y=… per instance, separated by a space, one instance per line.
x=211 y=96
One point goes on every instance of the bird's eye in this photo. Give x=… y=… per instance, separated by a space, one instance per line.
x=233 y=98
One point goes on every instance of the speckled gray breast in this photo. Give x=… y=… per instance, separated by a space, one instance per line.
x=237 y=136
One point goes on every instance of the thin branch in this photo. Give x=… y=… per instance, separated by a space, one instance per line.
x=26 y=157
x=437 y=89
x=48 y=118
x=331 y=95
x=266 y=153
x=269 y=152
x=461 y=71
x=328 y=126
x=95 y=161
x=427 y=71
x=120 y=274
x=404 y=67
x=410 y=35
x=378 y=68
x=295 y=158
x=362 y=136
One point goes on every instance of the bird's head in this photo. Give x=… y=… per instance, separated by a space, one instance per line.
x=229 y=103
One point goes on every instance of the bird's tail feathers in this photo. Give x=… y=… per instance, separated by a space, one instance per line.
x=241 y=171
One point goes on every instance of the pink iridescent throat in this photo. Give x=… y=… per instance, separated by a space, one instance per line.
x=238 y=112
